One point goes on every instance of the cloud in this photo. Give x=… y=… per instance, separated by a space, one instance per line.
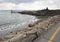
x=6 y=6
x=28 y=6
x=35 y=5
x=17 y=1
x=39 y=5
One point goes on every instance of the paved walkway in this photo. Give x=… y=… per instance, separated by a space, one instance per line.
x=53 y=35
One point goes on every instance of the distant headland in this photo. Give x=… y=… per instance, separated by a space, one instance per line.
x=43 y=12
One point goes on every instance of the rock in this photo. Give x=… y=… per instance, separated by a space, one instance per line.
x=8 y=36
x=31 y=25
x=17 y=38
x=0 y=39
x=31 y=32
x=29 y=38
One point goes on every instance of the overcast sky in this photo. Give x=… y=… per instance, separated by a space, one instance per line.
x=29 y=4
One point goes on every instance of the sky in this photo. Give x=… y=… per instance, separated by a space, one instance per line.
x=29 y=4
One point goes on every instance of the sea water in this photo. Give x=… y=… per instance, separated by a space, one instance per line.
x=10 y=22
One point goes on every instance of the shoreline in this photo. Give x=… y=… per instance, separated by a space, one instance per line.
x=6 y=31
x=29 y=34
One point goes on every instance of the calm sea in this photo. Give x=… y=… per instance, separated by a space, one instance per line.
x=10 y=22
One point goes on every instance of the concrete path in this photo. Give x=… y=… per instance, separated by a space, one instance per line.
x=53 y=35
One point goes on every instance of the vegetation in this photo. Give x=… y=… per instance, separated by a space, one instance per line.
x=44 y=12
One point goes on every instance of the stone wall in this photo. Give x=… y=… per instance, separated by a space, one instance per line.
x=31 y=33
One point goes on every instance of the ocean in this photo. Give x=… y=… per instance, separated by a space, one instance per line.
x=10 y=22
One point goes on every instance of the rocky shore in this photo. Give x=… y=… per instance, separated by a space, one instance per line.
x=32 y=32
